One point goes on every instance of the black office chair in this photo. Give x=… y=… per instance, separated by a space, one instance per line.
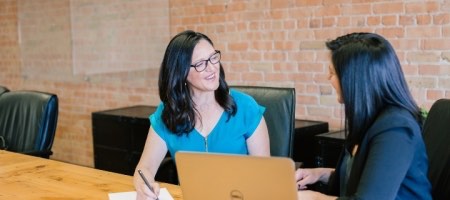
x=28 y=122
x=3 y=89
x=280 y=119
x=279 y=116
x=436 y=135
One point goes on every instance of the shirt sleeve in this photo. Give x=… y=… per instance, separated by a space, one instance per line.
x=250 y=111
x=156 y=121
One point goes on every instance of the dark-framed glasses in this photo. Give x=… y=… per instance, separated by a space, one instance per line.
x=202 y=64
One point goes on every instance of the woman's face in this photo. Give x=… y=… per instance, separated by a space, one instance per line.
x=334 y=80
x=208 y=79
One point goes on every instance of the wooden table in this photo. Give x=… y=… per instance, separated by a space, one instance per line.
x=28 y=177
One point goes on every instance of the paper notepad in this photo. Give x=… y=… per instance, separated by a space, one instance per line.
x=163 y=195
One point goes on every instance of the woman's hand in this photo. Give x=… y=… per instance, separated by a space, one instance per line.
x=306 y=177
x=154 y=151
x=142 y=191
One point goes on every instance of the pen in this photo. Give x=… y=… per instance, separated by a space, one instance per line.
x=146 y=182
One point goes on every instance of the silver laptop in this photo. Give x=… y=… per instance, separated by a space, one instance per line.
x=210 y=176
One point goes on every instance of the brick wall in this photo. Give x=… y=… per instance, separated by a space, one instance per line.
x=264 y=42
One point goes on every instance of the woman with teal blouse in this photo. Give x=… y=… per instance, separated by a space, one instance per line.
x=198 y=111
x=228 y=135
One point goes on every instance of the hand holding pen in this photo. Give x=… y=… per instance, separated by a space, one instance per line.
x=147 y=183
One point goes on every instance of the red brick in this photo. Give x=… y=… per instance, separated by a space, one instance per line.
x=276 y=77
x=373 y=20
x=436 y=44
x=435 y=70
x=388 y=8
x=274 y=56
x=441 y=19
x=237 y=7
x=307 y=99
x=421 y=7
x=252 y=76
x=251 y=56
x=238 y=46
x=435 y=94
x=315 y=110
x=446 y=32
x=344 y=21
x=423 y=57
x=315 y=23
x=307 y=3
x=285 y=45
x=423 y=32
x=357 y=9
x=444 y=83
x=277 y=4
x=289 y=24
x=262 y=45
x=286 y=67
x=389 y=20
x=311 y=67
x=394 y=32
x=423 y=19
x=303 y=78
x=406 y=20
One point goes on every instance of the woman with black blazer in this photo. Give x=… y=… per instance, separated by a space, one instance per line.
x=384 y=155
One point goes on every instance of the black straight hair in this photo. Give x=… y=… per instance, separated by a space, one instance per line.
x=179 y=112
x=371 y=78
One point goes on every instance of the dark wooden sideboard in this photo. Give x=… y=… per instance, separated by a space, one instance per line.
x=304 y=145
x=119 y=136
x=328 y=148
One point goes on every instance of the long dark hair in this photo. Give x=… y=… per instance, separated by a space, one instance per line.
x=371 y=78
x=179 y=112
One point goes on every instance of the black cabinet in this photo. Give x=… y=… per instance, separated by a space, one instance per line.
x=328 y=148
x=304 y=144
x=119 y=137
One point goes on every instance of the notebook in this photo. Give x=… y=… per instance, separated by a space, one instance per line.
x=210 y=176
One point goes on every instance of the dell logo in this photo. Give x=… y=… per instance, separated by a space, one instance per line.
x=236 y=195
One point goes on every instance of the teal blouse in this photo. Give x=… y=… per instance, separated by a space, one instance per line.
x=228 y=136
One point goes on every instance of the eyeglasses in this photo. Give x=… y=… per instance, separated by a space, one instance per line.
x=201 y=65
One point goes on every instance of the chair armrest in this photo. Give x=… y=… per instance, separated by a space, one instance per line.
x=42 y=154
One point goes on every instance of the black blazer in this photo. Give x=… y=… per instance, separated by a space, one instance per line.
x=391 y=161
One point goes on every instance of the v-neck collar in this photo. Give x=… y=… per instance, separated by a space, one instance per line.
x=212 y=130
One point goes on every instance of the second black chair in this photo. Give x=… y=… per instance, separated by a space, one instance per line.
x=28 y=121
x=436 y=135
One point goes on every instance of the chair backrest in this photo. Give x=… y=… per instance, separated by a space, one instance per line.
x=279 y=116
x=436 y=135
x=28 y=121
